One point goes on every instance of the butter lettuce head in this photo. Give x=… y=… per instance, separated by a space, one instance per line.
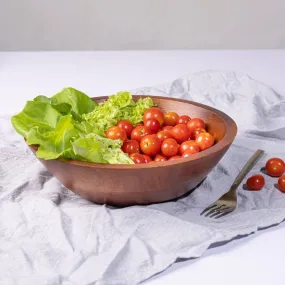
x=71 y=125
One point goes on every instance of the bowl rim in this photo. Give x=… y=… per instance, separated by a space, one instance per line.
x=231 y=132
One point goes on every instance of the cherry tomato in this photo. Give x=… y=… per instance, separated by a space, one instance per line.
x=147 y=158
x=204 y=141
x=183 y=119
x=160 y=157
x=127 y=126
x=196 y=123
x=187 y=153
x=167 y=128
x=116 y=133
x=139 y=124
x=137 y=158
x=152 y=125
x=181 y=133
x=275 y=167
x=131 y=146
x=150 y=145
x=170 y=118
x=169 y=147
x=255 y=182
x=189 y=146
x=163 y=135
x=174 y=157
x=281 y=183
x=139 y=132
x=198 y=131
x=154 y=113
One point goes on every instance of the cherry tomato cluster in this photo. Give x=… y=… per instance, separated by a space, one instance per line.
x=275 y=167
x=161 y=136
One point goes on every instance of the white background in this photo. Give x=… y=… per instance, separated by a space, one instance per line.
x=147 y=24
x=257 y=259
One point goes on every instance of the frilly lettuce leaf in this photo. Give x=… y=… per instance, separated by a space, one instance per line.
x=117 y=107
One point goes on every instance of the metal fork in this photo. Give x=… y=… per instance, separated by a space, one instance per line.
x=228 y=202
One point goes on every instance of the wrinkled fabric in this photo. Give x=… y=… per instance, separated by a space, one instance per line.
x=50 y=236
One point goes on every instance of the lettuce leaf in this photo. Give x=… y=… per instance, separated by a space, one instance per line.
x=45 y=112
x=71 y=125
x=80 y=103
x=63 y=108
x=35 y=114
x=117 y=107
x=93 y=147
x=57 y=142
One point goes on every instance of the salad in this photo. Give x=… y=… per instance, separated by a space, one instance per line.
x=117 y=131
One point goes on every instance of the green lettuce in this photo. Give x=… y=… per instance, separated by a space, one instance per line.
x=117 y=107
x=63 y=108
x=36 y=114
x=80 y=103
x=93 y=147
x=56 y=142
x=45 y=112
x=71 y=125
x=68 y=141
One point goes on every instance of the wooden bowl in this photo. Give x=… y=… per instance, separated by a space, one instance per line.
x=141 y=184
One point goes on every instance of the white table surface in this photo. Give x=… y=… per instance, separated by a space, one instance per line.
x=257 y=259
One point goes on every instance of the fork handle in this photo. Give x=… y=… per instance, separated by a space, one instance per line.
x=247 y=167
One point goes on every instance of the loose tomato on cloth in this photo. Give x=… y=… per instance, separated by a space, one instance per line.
x=255 y=182
x=281 y=183
x=275 y=167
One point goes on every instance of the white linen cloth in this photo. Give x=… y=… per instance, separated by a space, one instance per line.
x=50 y=236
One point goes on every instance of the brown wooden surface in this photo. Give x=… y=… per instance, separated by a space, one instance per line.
x=124 y=185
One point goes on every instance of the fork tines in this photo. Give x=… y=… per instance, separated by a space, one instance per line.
x=217 y=211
